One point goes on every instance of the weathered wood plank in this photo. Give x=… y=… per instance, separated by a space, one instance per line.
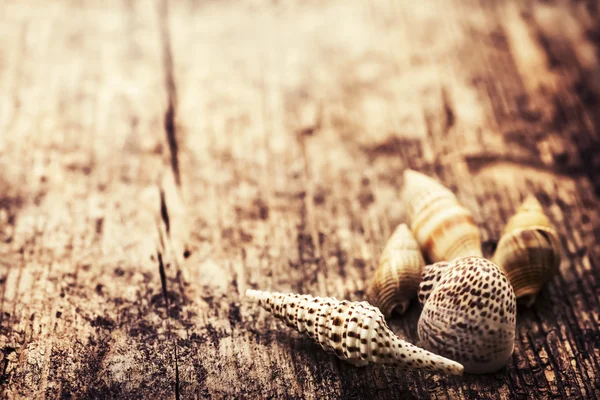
x=159 y=158
x=82 y=143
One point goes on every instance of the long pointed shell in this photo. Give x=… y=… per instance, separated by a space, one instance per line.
x=528 y=251
x=470 y=316
x=355 y=332
x=444 y=229
x=397 y=277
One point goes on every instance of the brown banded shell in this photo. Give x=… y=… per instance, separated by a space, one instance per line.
x=355 y=331
x=469 y=313
x=528 y=251
x=396 y=280
x=444 y=229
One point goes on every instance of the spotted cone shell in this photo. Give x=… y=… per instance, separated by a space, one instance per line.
x=529 y=251
x=355 y=332
x=398 y=275
x=444 y=229
x=468 y=314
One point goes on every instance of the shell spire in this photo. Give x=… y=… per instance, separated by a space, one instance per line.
x=355 y=331
x=469 y=314
x=397 y=277
x=529 y=251
x=530 y=213
x=444 y=229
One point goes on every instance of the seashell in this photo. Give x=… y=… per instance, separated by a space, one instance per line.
x=469 y=313
x=528 y=251
x=444 y=229
x=355 y=331
x=431 y=277
x=398 y=275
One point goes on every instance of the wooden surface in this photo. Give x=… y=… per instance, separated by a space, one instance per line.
x=156 y=161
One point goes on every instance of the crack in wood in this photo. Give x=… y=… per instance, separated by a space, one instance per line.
x=164 y=213
x=163 y=279
x=170 y=114
x=175 y=312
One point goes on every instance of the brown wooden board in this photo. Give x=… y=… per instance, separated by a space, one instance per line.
x=159 y=158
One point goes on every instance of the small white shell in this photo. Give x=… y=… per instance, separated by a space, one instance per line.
x=444 y=229
x=398 y=275
x=355 y=332
x=469 y=314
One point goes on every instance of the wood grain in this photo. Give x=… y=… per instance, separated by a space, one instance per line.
x=159 y=158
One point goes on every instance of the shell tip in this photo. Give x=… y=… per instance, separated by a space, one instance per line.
x=403 y=233
x=411 y=174
x=413 y=183
x=404 y=229
x=457 y=370
x=254 y=295
x=530 y=203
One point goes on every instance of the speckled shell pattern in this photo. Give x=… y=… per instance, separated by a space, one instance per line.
x=470 y=315
x=529 y=251
x=432 y=274
x=444 y=229
x=396 y=280
x=355 y=331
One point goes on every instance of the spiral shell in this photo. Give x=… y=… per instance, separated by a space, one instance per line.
x=398 y=275
x=528 y=251
x=444 y=229
x=355 y=332
x=469 y=314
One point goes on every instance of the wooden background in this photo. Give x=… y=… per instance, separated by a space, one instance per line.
x=261 y=144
